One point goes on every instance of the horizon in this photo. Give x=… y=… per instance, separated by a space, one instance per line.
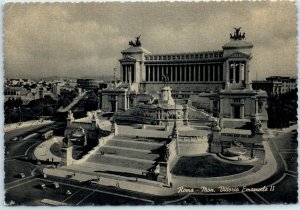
x=85 y=39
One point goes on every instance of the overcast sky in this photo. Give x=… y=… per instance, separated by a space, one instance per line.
x=85 y=40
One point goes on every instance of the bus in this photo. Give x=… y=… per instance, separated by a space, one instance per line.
x=47 y=135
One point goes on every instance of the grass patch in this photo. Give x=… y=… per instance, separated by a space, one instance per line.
x=206 y=166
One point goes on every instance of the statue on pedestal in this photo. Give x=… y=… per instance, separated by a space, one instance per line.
x=137 y=42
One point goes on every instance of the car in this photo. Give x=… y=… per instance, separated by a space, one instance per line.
x=43 y=186
x=14 y=139
x=55 y=185
x=22 y=175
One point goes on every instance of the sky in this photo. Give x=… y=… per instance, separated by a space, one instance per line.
x=85 y=39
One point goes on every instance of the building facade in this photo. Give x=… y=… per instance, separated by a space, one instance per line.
x=216 y=81
x=275 y=85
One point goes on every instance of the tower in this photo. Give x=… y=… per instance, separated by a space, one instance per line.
x=132 y=68
x=237 y=53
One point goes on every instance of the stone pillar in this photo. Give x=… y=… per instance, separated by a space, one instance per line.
x=204 y=69
x=214 y=73
x=180 y=73
x=164 y=174
x=153 y=73
x=242 y=111
x=190 y=74
x=157 y=73
x=215 y=145
x=218 y=72
x=171 y=74
x=246 y=72
x=195 y=69
x=234 y=73
x=226 y=67
x=241 y=71
x=67 y=155
x=149 y=69
x=199 y=72
x=208 y=72
x=176 y=68
x=129 y=74
x=125 y=73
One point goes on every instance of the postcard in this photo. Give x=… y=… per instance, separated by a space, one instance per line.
x=150 y=103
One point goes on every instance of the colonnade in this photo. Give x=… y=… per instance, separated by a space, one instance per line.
x=185 y=72
x=237 y=72
x=128 y=73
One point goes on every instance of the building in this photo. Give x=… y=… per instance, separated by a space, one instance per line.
x=216 y=81
x=90 y=84
x=275 y=85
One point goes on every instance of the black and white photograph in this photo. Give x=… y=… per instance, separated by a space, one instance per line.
x=150 y=103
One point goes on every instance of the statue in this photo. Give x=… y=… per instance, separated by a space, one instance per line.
x=165 y=79
x=237 y=34
x=258 y=126
x=70 y=115
x=137 y=42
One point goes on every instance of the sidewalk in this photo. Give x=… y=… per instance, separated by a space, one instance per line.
x=42 y=151
x=14 y=126
x=131 y=185
x=238 y=180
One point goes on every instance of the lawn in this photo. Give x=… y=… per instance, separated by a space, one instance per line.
x=206 y=166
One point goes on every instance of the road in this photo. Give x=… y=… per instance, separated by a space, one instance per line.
x=284 y=147
x=26 y=191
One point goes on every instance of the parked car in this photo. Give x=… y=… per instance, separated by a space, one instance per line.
x=43 y=186
x=14 y=139
x=22 y=175
x=55 y=185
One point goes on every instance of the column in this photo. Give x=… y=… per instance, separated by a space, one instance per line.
x=126 y=74
x=218 y=72
x=129 y=74
x=234 y=72
x=149 y=69
x=157 y=74
x=203 y=71
x=241 y=72
x=180 y=73
x=199 y=72
x=213 y=70
x=208 y=72
x=195 y=69
x=175 y=72
x=190 y=73
x=246 y=72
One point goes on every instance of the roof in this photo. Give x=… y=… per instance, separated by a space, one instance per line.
x=136 y=50
x=238 y=44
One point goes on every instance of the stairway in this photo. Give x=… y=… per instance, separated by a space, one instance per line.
x=127 y=155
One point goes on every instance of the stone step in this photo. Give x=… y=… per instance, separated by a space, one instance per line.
x=135 y=144
x=99 y=167
x=129 y=152
x=143 y=165
x=112 y=172
x=140 y=139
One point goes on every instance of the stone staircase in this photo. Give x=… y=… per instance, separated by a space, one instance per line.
x=128 y=155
